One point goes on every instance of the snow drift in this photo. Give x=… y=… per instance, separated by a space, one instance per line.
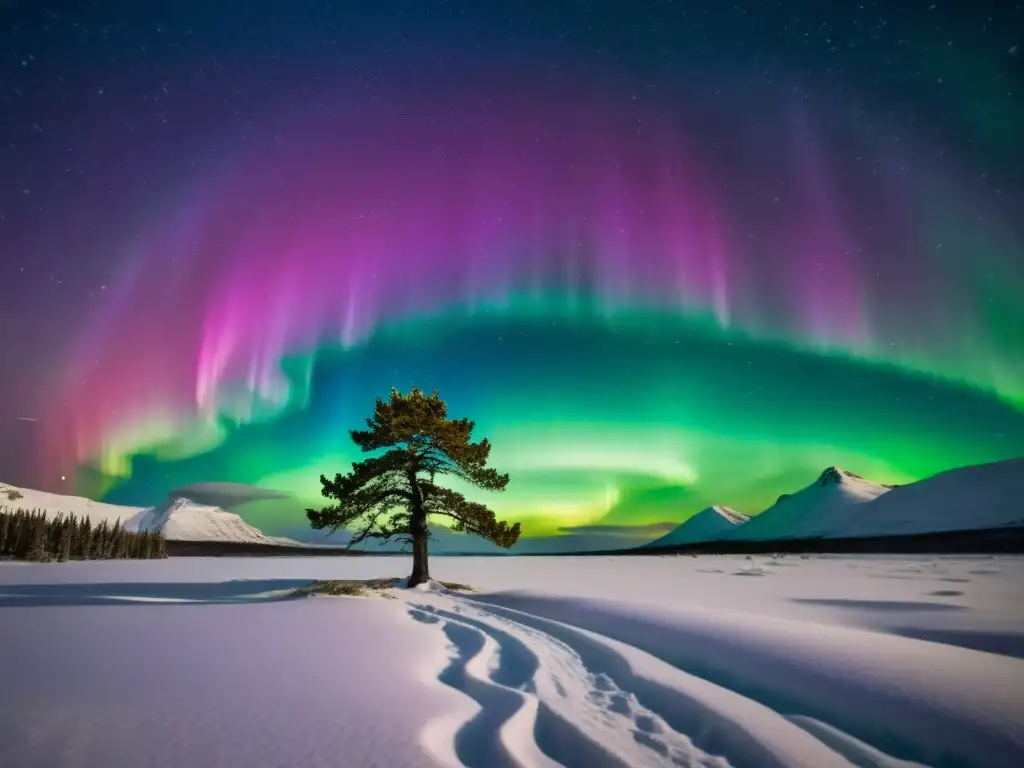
x=709 y=524
x=548 y=662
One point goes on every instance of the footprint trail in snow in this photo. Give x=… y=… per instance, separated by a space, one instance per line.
x=550 y=694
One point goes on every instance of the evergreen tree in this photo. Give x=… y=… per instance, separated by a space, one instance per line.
x=53 y=528
x=117 y=540
x=19 y=534
x=99 y=541
x=113 y=541
x=33 y=535
x=26 y=531
x=395 y=493
x=9 y=531
x=67 y=530
x=38 y=549
x=84 y=549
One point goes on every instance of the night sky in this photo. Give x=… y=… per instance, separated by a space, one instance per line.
x=665 y=254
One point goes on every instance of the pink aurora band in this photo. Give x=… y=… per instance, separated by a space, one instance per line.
x=522 y=199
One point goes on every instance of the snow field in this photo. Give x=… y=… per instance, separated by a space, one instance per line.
x=597 y=661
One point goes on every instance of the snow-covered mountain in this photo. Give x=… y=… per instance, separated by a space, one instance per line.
x=967 y=498
x=709 y=524
x=180 y=518
x=821 y=509
x=839 y=504
x=53 y=503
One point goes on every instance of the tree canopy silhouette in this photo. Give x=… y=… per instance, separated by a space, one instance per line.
x=393 y=495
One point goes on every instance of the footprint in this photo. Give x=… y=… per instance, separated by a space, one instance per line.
x=648 y=724
x=483 y=741
x=514 y=664
x=423 y=617
x=603 y=683
x=647 y=740
x=620 y=704
x=583 y=717
x=478 y=742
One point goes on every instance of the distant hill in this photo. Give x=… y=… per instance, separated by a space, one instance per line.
x=968 y=498
x=844 y=505
x=837 y=505
x=707 y=525
x=27 y=498
x=179 y=518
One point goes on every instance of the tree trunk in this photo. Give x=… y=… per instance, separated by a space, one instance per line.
x=420 y=536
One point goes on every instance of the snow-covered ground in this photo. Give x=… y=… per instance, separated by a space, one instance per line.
x=591 y=662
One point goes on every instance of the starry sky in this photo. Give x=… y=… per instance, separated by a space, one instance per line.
x=664 y=254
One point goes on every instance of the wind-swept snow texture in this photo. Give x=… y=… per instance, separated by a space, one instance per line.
x=580 y=662
x=709 y=524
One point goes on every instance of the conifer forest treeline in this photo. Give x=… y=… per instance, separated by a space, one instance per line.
x=33 y=535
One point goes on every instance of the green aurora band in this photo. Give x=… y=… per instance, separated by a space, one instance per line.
x=641 y=323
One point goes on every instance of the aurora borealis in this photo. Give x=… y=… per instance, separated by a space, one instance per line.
x=659 y=270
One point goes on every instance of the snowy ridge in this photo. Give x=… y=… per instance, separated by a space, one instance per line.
x=967 y=498
x=818 y=510
x=841 y=504
x=56 y=503
x=707 y=525
x=181 y=519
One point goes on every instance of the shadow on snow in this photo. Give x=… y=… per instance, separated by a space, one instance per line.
x=149 y=593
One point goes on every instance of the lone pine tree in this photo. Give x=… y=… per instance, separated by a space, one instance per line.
x=394 y=494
